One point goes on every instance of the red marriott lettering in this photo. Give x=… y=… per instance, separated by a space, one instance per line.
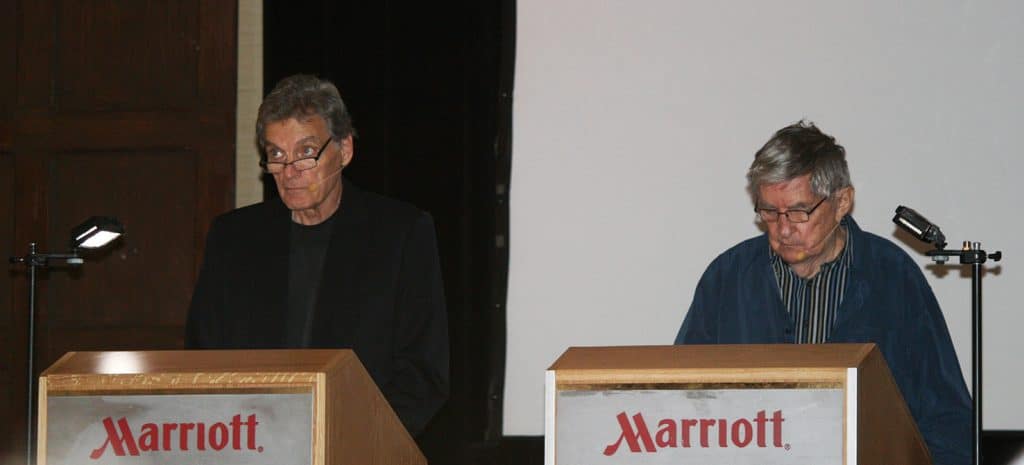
x=177 y=436
x=698 y=432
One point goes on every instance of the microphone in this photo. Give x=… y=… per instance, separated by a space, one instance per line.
x=912 y=222
x=315 y=186
x=803 y=254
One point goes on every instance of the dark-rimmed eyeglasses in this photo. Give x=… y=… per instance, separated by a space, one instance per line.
x=771 y=215
x=302 y=163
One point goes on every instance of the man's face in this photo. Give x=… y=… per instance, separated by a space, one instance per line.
x=294 y=138
x=799 y=243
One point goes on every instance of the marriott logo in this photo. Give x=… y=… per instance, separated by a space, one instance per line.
x=235 y=434
x=761 y=430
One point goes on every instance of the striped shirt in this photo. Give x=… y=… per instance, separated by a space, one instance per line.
x=812 y=303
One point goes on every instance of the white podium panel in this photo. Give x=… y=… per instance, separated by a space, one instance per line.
x=198 y=429
x=742 y=404
x=706 y=426
x=217 y=407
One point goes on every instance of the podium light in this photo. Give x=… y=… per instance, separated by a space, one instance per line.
x=916 y=224
x=95 y=233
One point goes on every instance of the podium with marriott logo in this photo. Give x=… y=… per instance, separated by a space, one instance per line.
x=223 y=407
x=813 y=404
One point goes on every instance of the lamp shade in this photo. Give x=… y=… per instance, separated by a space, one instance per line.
x=96 y=232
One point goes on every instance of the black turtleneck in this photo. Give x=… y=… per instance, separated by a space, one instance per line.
x=306 y=251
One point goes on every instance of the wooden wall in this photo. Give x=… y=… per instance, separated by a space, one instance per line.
x=109 y=107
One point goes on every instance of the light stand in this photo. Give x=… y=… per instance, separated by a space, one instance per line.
x=970 y=254
x=94 y=233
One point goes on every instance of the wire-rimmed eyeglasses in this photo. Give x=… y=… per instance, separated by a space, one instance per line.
x=771 y=215
x=302 y=163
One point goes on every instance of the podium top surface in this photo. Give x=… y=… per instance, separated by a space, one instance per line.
x=710 y=357
x=198 y=361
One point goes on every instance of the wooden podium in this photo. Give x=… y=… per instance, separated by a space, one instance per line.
x=250 y=407
x=728 y=404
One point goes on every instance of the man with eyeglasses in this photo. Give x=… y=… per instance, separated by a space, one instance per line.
x=815 y=277
x=327 y=265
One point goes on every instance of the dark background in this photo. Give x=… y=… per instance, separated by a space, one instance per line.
x=429 y=86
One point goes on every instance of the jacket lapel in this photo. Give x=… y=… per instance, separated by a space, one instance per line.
x=857 y=289
x=270 y=284
x=766 y=290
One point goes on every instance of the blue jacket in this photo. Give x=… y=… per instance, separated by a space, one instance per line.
x=887 y=302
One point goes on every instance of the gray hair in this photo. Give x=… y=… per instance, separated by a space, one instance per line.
x=796 y=150
x=303 y=95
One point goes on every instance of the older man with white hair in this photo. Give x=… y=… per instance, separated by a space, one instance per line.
x=815 y=277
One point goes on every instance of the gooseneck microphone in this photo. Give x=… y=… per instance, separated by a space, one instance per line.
x=912 y=222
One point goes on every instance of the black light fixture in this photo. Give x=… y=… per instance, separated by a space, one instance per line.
x=970 y=254
x=95 y=233
x=919 y=226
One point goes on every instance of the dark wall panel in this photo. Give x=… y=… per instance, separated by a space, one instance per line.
x=7 y=362
x=146 y=279
x=218 y=26
x=8 y=57
x=35 y=51
x=7 y=245
x=59 y=341
x=107 y=65
x=9 y=408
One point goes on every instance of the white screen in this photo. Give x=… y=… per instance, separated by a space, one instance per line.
x=635 y=121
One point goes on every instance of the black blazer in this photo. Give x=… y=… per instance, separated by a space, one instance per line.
x=380 y=294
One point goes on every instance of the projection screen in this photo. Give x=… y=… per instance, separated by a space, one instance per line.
x=635 y=121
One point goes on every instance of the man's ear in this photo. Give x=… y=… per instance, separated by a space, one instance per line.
x=347 y=150
x=844 y=202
